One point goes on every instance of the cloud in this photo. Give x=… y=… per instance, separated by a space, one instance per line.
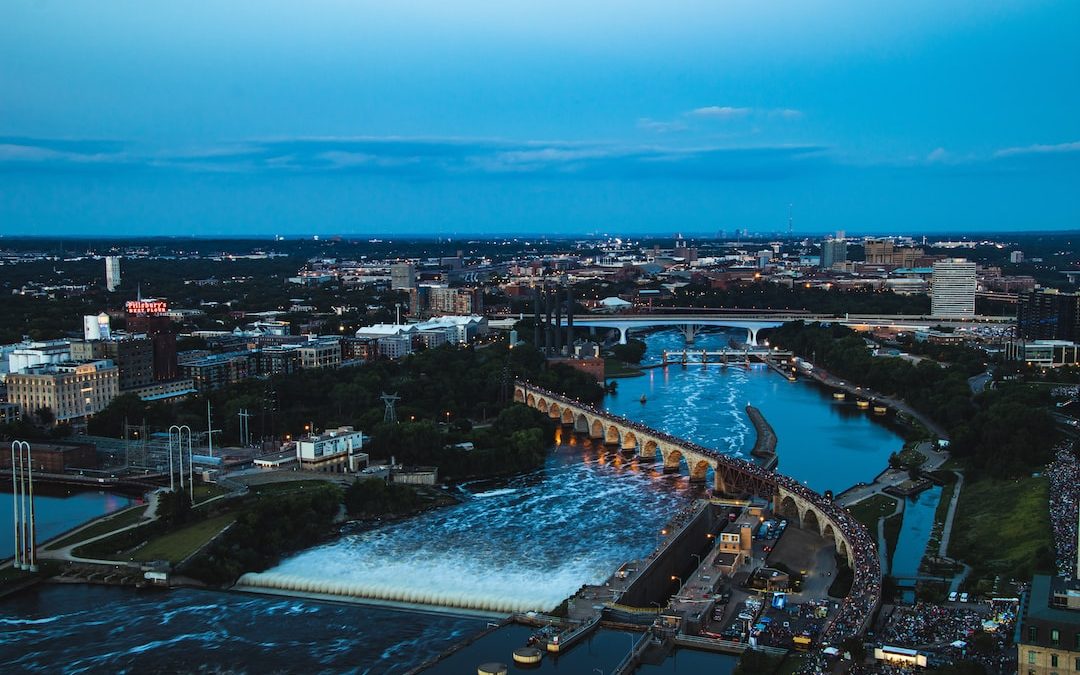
x=1059 y=148
x=35 y=152
x=938 y=155
x=437 y=158
x=720 y=112
x=786 y=113
x=660 y=127
x=728 y=112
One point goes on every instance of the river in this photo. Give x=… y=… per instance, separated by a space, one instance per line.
x=524 y=543
x=57 y=509
x=828 y=445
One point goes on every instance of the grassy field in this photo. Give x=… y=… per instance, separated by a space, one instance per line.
x=204 y=491
x=178 y=545
x=1002 y=526
x=869 y=510
x=287 y=486
x=615 y=368
x=103 y=526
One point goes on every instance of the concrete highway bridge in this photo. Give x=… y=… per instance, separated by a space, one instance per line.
x=690 y=323
x=732 y=477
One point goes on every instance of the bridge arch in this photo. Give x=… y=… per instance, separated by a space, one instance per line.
x=596 y=428
x=672 y=459
x=810 y=521
x=649 y=449
x=612 y=436
x=519 y=395
x=542 y=405
x=629 y=440
x=531 y=401
x=567 y=416
x=581 y=423
x=699 y=470
x=789 y=510
x=555 y=410
x=827 y=532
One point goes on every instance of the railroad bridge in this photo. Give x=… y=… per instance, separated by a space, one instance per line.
x=731 y=476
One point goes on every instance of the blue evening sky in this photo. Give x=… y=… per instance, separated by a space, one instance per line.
x=547 y=116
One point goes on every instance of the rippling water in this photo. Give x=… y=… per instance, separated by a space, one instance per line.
x=527 y=544
x=94 y=629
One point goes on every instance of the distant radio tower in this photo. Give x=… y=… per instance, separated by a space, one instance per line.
x=390 y=415
x=789 y=220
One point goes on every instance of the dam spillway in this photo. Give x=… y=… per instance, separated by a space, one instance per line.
x=526 y=544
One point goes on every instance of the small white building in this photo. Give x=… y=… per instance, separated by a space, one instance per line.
x=335 y=450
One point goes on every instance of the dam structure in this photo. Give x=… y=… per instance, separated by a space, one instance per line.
x=351 y=570
x=735 y=478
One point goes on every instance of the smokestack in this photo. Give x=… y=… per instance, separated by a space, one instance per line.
x=536 y=317
x=549 y=339
x=558 y=319
x=570 y=318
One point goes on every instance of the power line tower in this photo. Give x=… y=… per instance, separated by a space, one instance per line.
x=390 y=415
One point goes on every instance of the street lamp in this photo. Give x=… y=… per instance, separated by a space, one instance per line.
x=676 y=578
x=698 y=557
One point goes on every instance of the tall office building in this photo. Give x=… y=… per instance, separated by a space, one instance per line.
x=402 y=276
x=833 y=251
x=952 y=288
x=149 y=316
x=1048 y=315
x=112 y=272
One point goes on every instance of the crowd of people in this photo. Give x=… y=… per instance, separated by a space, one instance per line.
x=926 y=625
x=865 y=594
x=1064 y=476
x=955 y=633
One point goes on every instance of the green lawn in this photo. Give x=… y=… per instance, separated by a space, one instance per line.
x=1003 y=526
x=108 y=524
x=870 y=509
x=178 y=545
x=287 y=486
x=204 y=491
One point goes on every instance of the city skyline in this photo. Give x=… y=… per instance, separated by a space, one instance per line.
x=354 y=118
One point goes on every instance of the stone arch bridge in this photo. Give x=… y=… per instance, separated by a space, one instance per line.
x=731 y=476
